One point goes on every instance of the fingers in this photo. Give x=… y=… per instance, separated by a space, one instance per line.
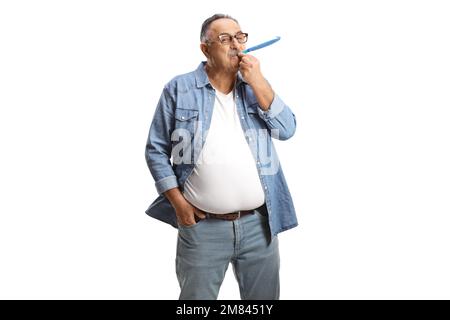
x=244 y=62
x=245 y=59
x=187 y=221
x=187 y=216
x=248 y=62
x=245 y=65
x=194 y=217
x=199 y=213
x=190 y=218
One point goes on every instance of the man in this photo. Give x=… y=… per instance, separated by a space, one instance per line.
x=225 y=190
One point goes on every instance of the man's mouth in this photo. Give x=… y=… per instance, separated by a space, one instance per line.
x=233 y=53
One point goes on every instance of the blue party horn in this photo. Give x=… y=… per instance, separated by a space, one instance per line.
x=262 y=45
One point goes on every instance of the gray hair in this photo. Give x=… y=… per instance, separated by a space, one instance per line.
x=207 y=23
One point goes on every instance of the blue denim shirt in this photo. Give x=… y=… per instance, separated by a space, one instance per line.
x=178 y=131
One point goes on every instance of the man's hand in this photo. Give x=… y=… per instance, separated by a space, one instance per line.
x=187 y=213
x=251 y=73
x=250 y=69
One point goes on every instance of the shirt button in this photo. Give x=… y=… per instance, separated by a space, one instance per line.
x=249 y=139
x=182 y=117
x=265 y=187
x=242 y=117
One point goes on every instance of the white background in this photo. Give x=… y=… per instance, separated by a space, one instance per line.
x=368 y=167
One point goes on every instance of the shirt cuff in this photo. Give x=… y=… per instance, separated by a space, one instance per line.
x=275 y=108
x=166 y=183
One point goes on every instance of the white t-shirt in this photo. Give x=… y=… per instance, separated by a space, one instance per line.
x=225 y=178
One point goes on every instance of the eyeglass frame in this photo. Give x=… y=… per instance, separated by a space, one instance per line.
x=232 y=37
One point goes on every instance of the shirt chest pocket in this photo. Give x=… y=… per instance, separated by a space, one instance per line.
x=186 y=119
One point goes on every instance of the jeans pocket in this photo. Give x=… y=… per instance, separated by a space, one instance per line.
x=192 y=226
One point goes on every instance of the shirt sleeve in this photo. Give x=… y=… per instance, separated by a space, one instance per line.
x=158 y=148
x=279 y=119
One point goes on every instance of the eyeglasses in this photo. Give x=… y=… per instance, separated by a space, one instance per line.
x=226 y=38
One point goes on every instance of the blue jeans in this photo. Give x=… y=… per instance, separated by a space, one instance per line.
x=205 y=249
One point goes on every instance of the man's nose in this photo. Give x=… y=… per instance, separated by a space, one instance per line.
x=234 y=43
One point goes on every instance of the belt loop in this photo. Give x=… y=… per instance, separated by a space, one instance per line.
x=239 y=214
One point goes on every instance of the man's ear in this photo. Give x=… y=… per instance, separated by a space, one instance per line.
x=205 y=49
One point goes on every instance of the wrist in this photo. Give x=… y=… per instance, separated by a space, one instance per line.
x=257 y=82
